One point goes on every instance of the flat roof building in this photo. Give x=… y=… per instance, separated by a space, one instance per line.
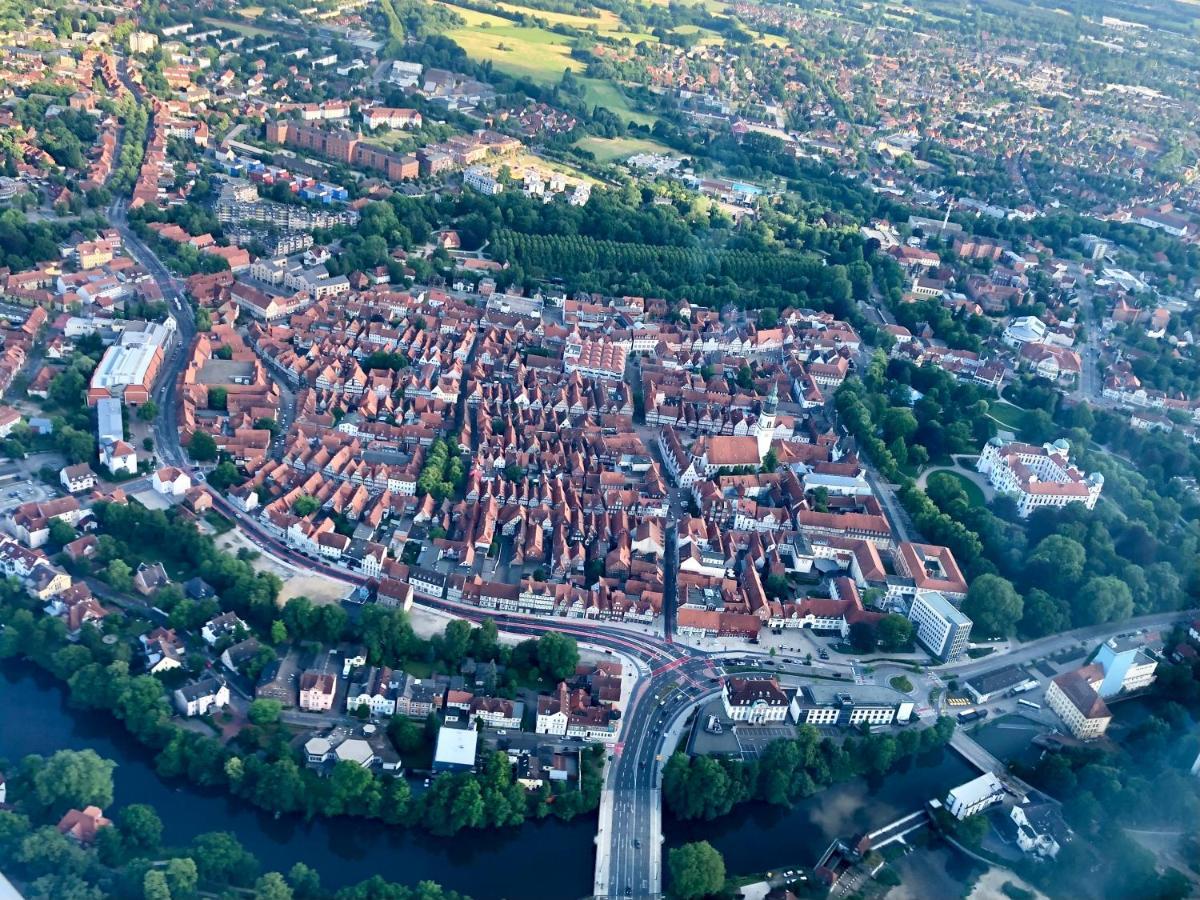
x=456 y=749
x=941 y=627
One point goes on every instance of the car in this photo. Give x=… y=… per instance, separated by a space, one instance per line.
x=637 y=843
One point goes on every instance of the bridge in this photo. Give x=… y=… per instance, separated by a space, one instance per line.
x=982 y=759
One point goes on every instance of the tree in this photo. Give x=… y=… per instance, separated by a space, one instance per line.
x=862 y=637
x=279 y=632
x=73 y=778
x=141 y=827
x=557 y=655
x=61 y=532
x=148 y=411
x=993 y=605
x=1056 y=564
x=182 y=876
x=202 y=447
x=263 y=712
x=894 y=632
x=218 y=398
x=456 y=639
x=1104 y=598
x=305 y=505
x=119 y=575
x=271 y=886
x=1044 y=614
x=224 y=476
x=697 y=870
x=154 y=886
x=221 y=858
x=305 y=880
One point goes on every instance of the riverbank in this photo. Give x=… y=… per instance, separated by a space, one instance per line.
x=37 y=719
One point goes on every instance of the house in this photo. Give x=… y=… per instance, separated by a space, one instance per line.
x=149 y=578
x=197 y=698
x=395 y=594
x=77 y=478
x=171 y=482
x=162 y=649
x=119 y=458
x=225 y=626
x=240 y=653
x=370 y=751
x=1075 y=699
x=496 y=712
x=317 y=690
x=374 y=689
x=455 y=750
x=82 y=826
x=1038 y=828
x=975 y=796
x=198 y=589
x=756 y=701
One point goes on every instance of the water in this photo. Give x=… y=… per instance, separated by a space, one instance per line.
x=548 y=860
x=489 y=865
x=759 y=837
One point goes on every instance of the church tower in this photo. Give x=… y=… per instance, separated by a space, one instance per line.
x=764 y=430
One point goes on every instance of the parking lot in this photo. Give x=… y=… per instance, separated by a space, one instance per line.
x=753 y=739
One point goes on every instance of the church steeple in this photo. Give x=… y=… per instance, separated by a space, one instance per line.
x=764 y=429
x=771 y=406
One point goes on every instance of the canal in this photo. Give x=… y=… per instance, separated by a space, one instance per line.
x=548 y=860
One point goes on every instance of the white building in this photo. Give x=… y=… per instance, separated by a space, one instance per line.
x=754 y=700
x=941 y=627
x=197 y=698
x=1038 y=476
x=974 y=796
x=480 y=179
x=850 y=705
x=171 y=482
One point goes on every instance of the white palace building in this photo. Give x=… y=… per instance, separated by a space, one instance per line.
x=1038 y=476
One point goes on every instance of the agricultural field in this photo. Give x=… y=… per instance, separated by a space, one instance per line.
x=533 y=53
x=610 y=149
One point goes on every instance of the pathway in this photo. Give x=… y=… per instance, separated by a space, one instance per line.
x=976 y=478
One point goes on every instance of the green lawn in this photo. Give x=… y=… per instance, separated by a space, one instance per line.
x=973 y=491
x=1007 y=415
x=609 y=96
x=609 y=149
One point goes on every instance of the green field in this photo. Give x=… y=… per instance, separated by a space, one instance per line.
x=609 y=96
x=1007 y=415
x=609 y=149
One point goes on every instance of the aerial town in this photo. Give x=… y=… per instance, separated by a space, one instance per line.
x=742 y=449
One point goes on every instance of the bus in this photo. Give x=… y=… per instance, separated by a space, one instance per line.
x=1029 y=703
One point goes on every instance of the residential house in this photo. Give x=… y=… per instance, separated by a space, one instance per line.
x=197 y=698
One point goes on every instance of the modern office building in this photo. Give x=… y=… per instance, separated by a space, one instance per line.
x=941 y=627
x=1127 y=667
x=820 y=704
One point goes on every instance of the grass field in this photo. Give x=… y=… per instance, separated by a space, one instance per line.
x=533 y=53
x=1008 y=415
x=609 y=149
x=609 y=96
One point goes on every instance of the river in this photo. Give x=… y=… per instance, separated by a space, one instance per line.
x=548 y=860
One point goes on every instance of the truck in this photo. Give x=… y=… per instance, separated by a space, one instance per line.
x=1027 y=685
x=971 y=715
